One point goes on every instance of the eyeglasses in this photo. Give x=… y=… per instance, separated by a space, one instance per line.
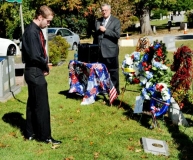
x=48 y=21
x=105 y=10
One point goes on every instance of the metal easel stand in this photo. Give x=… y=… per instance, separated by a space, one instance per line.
x=123 y=91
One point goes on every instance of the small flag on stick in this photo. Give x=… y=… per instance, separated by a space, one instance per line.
x=112 y=93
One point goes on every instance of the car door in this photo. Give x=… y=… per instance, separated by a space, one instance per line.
x=68 y=36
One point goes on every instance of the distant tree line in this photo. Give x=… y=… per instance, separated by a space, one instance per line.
x=79 y=15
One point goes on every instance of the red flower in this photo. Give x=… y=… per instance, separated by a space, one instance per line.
x=136 y=80
x=181 y=105
x=146 y=69
x=159 y=52
x=144 y=64
x=159 y=87
x=146 y=50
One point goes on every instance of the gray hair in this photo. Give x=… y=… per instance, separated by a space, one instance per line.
x=105 y=4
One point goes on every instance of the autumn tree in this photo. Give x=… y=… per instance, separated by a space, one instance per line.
x=120 y=9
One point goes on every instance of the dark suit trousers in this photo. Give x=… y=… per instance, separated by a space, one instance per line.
x=37 y=111
x=112 y=65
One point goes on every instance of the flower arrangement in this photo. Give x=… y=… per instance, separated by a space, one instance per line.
x=149 y=69
x=159 y=96
x=148 y=65
x=130 y=67
x=153 y=64
x=181 y=80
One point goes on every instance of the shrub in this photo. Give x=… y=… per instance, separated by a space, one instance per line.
x=58 y=49
x=189 y=16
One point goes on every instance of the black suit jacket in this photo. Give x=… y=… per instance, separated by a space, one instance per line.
x=108 y=40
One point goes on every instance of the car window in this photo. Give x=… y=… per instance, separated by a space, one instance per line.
x=66 y=32
x=59 y=33
x=51 y=30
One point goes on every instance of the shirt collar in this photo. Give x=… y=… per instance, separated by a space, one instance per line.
x=107 y=18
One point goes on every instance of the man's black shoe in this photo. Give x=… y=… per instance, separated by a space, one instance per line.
x=53 y=141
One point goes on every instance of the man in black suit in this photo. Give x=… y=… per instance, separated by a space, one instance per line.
x=36 y=68
x=107 y=34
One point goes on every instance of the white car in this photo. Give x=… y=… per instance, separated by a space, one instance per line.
x=72 y=38
x=8 y=47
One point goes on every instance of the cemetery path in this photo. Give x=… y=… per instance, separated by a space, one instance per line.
x=179 y=35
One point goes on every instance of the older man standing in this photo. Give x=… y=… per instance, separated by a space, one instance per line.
x=107 y=34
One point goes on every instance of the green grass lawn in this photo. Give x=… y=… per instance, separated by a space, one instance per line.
x=96 y=131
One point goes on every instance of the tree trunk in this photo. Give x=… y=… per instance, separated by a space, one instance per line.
x=145 y=22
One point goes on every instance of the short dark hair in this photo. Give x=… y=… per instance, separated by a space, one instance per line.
x=44 y=11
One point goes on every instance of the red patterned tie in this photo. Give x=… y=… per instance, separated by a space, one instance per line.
x=43 y=43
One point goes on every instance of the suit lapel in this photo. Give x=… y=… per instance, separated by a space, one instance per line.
x=109 y=22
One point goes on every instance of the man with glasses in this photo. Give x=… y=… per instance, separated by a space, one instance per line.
x=36 y=68
x=107 y=34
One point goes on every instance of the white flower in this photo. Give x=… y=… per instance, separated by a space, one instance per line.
x=143 y=80
x=148 y=84
x=129 y=60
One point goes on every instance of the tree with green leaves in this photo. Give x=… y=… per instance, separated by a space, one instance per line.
x=181 y=5
x=143 y=10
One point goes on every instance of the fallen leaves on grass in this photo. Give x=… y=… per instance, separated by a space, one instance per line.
x=131 y=139
x=144 y=156
x=69 y=158
x=96 y=155
x=71 y=120
x=75 y=138
x=61 y=107
x=137 y=150
x=13 y=134
x=55 y=146
x=91 y=143
x=131 y=148
x=78 y=110
x=3 y=145
x=123 y=118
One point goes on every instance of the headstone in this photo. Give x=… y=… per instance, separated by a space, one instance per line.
x=157 y=147
x=137 y=25
x=170 y=42
x=127 y=42
x=164 y=17
x=138 y=104
x=150 y=39
x=183 y=26
x=176 y=115
x=154 y=29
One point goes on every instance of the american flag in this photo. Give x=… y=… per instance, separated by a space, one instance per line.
x=112 y=93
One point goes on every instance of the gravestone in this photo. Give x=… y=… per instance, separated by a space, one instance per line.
x=183 y=26
x=157 y=147
x=170 y=42
x=151 y=40
x=176 y=115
